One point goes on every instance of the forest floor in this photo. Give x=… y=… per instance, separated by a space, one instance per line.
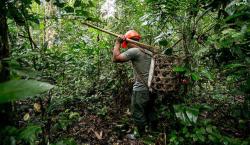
x=79 y=120
x=101 y=120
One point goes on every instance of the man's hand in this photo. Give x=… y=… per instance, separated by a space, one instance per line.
x=120 y=39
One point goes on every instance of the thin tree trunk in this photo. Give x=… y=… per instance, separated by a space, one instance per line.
x=4 y=43
x=5 y=109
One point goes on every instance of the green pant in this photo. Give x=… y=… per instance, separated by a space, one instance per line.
x=142 y=108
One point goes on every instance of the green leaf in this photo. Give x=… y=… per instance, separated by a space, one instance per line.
x=168 y=51
x=192 y=114
x=29 y=134
x=27 y=2
x=195 y=76
x=93 y=19
x=246 y=86
x=212 y=138
x=38 y=2
x=59 y=3
x=163 y=42
x=150 y=1
x=91 y=4
x=9 y=131
x=234 y=65
x=74 y=114
x=207 y=74
x=82 y=13
x=209 y=129
x=69 y=141
x=202 y=130
x=69 y=9
x=19 y=89
x=201 y=137
x=77 y=3
x=188 y=115
x=179 y=69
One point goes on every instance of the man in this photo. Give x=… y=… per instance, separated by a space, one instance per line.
x=141 y=102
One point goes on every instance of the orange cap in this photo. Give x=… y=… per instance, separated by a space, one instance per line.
x=131 y=34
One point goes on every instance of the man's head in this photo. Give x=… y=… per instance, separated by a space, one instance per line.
x=131 y=34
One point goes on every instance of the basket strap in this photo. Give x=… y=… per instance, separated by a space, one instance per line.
x=139 y=74
x=151 y=54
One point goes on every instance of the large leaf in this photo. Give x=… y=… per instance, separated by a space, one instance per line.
x=29 y=134
x=19 y=89
x=187 y=115
x=192 y=114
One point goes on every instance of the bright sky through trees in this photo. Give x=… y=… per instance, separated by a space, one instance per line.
x=108 y=9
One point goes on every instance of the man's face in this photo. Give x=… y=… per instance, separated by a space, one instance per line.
x=130 y=45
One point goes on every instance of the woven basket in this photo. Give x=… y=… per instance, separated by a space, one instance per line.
x=162 y=79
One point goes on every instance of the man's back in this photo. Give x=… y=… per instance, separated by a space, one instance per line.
x=141 y=63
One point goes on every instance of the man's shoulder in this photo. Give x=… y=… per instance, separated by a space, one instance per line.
x=134 y=50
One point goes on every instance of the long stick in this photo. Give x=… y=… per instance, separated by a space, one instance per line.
x=145 y=46
x=92 y=26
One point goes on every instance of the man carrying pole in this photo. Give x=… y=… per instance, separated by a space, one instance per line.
x=141 y=100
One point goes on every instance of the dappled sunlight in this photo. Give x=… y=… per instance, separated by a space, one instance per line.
x=108 y=9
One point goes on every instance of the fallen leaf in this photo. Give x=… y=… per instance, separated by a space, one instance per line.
x=26 y=117
x=99 y=136
x=37 y=107
x=128 y=112
x=82 y=123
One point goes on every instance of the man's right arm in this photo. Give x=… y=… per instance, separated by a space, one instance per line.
x=117 y=55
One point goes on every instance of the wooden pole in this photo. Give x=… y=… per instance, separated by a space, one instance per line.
x=145 y=46
x=100 y=29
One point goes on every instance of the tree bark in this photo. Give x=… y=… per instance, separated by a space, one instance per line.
x=5 y=109
x=4 y=43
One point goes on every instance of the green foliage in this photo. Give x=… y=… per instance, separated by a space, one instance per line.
x=188 y=115
x=195 y=76
x=30 y=133
x=179 y=69
x=211 y=36
x=10 y=134
x=195 y=130
x=26 y=135
x=202 y=134
x=69 y=141
x=19 y=89
x=65 y=119
x=103 y=111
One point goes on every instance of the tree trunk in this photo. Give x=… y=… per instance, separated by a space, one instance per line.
x=4 y=43
x=5 y=109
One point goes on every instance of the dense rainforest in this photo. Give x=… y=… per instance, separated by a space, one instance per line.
x=59 y=86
